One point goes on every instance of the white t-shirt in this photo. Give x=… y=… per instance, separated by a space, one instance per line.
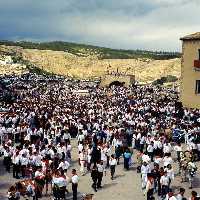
x=113 y=162
x=75 y=179
x=167 y=161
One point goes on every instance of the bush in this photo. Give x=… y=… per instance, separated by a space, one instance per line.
x=165 y=79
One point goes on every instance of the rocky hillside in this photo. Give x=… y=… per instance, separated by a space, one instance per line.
x=91 y=63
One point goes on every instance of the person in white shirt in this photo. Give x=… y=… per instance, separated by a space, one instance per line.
x=170 y=196
x=59 y=184
x=164 y=182
x=170 y=173
x=64 y=165
x=83 y=159
x=112 y=163
x=145 y=158
x=100 y=169
x=74 y=180
x=37 y=159
x=133 y=140
x=89 y=156
x=67 y=137
x=16 y=165
x=145 y=169
x=80 y=137
x=108 y=151
x=150 y=151
x=80 y=147
x=7 y=158
x=68 y=152
x=167 y=148
x=24 y=162
x=142 y=142
x=180 y=195
x=167 y=159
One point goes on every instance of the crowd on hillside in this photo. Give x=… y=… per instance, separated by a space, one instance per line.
x=40 y=116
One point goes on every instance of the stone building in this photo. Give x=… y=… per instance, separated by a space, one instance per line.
x=190 y=71
x=118 y=79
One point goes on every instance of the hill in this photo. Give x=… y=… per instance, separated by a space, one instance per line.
x=85 y=50
x=86 y=61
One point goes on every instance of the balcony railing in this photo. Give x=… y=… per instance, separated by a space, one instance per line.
x=197 y=65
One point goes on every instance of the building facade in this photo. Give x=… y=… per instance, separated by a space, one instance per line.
x=190 y=71
x=117 y=78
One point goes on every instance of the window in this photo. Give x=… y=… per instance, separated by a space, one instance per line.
x=197 y=86
x=199 y=53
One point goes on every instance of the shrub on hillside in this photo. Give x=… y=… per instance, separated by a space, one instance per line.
x=165 y=79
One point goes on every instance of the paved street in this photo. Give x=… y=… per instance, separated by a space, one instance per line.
x=125 y=186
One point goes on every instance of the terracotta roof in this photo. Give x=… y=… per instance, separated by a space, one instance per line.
x=194 y=36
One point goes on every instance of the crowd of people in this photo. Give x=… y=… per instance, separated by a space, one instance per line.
x=40 y=117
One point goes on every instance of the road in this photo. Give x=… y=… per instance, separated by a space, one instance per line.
x=125 y=186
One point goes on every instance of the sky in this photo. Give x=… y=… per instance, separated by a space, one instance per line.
x=121 y=24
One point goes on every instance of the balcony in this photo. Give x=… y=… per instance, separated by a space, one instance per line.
x=197 y=65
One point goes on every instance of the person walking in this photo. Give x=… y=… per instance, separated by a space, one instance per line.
x=113 y=163
x=164 y=181
x=145 y=169
x=100 y=169
x=127 y=157
x=74 y=180
x=149 y=186
x=94 y=175
x=118 y=153
x=150 y=150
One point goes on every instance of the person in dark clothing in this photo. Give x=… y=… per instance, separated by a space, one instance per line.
x=94 y=175
x=96 y=155
x=156 y=175
x=7 y=160
x=118 y=153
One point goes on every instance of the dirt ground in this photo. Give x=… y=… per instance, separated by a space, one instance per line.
x=125 y=186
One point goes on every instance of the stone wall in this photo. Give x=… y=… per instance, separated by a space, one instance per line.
x=109 y=78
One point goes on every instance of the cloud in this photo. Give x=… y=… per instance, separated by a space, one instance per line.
x=129 y=24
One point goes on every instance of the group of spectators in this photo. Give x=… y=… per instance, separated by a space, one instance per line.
x=38 y=123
